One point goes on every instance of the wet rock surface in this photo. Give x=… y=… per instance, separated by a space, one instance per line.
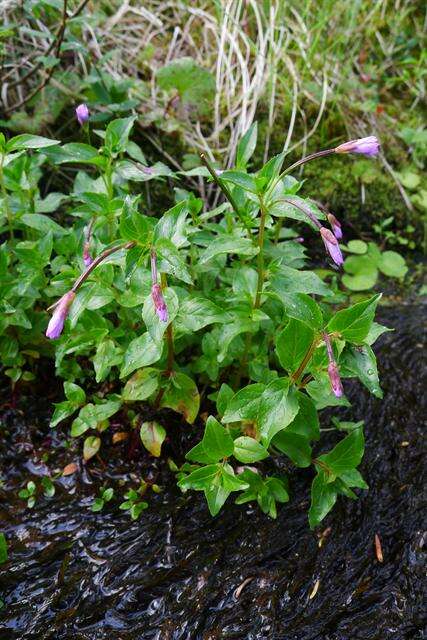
x=178 y=574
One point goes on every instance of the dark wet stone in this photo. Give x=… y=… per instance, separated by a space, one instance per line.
x=173 y=575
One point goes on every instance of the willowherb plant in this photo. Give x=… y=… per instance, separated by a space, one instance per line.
x=161 y=307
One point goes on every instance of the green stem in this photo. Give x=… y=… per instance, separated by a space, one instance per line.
x=169 y=334
x=260 y=257
x=260 y=286
x=225 y=191
x=108 y=181
x=219 y=182
x=170 y=353
x=312 y=156
x=6 y=199
x=277 y=230
x=298 y=373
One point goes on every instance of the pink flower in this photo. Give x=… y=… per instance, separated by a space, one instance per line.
x=336 y=226
x=159 y=302
x=56 y=324
x=82 y=114
x=332 y=246
x=335 y=380
x=369 y=146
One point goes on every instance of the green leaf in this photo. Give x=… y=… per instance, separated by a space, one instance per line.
x=173 y=225
x=306 y=422
x=288 y=280
x=97 y=505
x=182 y=396
x=357 y=246
x=216 y=497
x=248 y=450
x=202 y=478
x=75 y=152
x=141 y=352
x=194 y=84
x=199 y=454
x=170 y=260
x=41 y=223
x=108 y=494
x=282 y=209
x=228 y=244
x=74 y=393
x=217 y=442
x=117 y=134
x=353 y=323
x=49 y=204
x=361 y=362
x=225 y=394
x=31 y=487
x=375 y=332
x=62 y=411
x=93 y=414
x=240 y=179
x=246 y=146
x=353 y=478
x=301 y=306
x=48 y=487
x=295 y=446
x=363 y=270
x=270 y=407
x=244 y=404
x=140 y=173
x=3 y=549
x=409 y=179
x=197 y=312
x=231 y=481
x=293 y=343
x=346 y=455
x=137 y=509
x=141 y=385
x=133 y=225
x=28 y=141
x=323 y=498
x=152 y=435
x=392 y=264
x=278 y=489
x=107 y=355
x=91 y=447
x=277 y=409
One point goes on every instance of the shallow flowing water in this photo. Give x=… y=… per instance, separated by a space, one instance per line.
x=178 y=574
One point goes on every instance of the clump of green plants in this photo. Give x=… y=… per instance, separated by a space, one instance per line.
x=366 y=261
x=156 y=309
x=31 y=491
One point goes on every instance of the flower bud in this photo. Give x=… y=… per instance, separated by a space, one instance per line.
x=87 y=258
x=369 y=146
x=56 y=324
x=82 y=114
x=333 y=372
x=332 y=246
x=159 y=302
x=335 y=380
x=336 y=226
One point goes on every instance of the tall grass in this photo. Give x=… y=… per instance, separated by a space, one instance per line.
x=292 y=61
